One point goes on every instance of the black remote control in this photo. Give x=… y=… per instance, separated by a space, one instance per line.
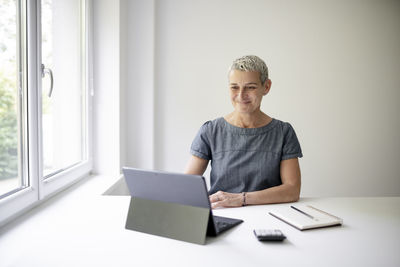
x=269 y=235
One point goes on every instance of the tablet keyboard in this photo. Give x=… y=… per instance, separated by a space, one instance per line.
x=224 y=223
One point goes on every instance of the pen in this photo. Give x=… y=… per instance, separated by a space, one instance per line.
x=308 y=215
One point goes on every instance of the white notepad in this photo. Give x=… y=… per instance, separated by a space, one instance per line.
x=305 y=217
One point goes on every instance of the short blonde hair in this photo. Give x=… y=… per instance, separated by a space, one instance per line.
x=251 y=63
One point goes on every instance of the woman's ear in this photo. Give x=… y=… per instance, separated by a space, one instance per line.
x=267 y=86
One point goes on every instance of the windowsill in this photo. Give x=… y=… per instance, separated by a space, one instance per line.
x=71 y=218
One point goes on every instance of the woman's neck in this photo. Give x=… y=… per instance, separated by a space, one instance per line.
x=244 y=120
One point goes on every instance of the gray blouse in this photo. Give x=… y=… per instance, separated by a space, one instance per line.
x=245 y=159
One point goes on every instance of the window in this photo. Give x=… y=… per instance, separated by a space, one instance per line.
x=63 y=102
x=10 y=117
x=44 y=99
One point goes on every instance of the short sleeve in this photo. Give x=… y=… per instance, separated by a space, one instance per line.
x=201 y=143
x=291 y=146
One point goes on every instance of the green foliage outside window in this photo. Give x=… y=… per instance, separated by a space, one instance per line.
x=8 y=90
x=8 y=128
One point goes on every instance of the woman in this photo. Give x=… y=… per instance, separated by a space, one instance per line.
x=254 y=158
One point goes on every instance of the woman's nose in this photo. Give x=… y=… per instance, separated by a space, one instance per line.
x=242 y=93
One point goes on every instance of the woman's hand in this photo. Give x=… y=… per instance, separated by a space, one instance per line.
x=224 y=199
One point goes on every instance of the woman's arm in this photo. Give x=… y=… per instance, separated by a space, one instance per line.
x=288 y=191
x=196 y=166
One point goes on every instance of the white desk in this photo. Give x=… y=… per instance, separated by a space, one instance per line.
x=82 y=228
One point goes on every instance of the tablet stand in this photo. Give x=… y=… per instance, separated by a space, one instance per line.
x=172 y=220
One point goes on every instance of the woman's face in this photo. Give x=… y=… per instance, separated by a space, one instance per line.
x=247 y=91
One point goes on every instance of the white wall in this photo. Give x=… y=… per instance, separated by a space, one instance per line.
x=106 y=72
x=335 y=72
x=138 y=99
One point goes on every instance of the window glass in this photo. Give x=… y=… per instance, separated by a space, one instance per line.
x=63 y=101
x=44 y=107
x=11 y=105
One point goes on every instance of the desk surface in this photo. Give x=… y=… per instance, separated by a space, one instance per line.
x=82 y=228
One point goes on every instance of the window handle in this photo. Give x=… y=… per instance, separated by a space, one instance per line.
x=48 y=71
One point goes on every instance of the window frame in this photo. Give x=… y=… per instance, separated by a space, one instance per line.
x=39 y=189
